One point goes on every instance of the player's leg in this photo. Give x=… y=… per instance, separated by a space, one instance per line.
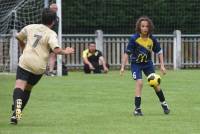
x=101 y=64
x=161 y=97
x=86 y=69
x=52 y=61
x=32 y=80
x=107 y=65
x=24 y=83
x=148 y=69
x=137 y=76
x=18 y=92
x=26 y=95
x=138 y=93
x=97 y=68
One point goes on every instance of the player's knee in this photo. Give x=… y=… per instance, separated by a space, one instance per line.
x=139 y=83
x=20 y=84
x=157 y=88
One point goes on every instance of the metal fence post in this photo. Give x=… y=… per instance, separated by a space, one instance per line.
x=13 y=52
x=46 y=3
x=59 y=57
x=177 y=50
x=99 y=40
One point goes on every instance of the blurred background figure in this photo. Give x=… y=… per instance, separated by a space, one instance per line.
x=93 y=60
x=52 y=57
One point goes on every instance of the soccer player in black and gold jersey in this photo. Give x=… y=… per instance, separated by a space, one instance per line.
x=93 y=60
x=139 y=49
x=35 y=40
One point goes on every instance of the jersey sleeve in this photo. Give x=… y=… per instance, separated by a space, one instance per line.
x=129 y=48
x=156 y=46
x=22 y=35
x=85 y=53
x=53 y=41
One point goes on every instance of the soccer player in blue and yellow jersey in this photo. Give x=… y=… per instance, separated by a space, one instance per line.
x=139 y=49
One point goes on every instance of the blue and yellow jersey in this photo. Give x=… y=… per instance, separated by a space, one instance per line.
x=140 y=49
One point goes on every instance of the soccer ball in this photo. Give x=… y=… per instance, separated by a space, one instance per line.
x=154 y=80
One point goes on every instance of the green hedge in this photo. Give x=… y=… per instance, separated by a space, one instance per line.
x=119 y=16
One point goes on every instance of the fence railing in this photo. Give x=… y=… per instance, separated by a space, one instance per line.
x=113 y=48
x=180 y=51
x=190 y=51
x=4 y=52
x=79 y=43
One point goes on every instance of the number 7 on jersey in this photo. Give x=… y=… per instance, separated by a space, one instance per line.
x=38 y=37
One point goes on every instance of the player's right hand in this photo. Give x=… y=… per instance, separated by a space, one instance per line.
x=106 y=70
x=91 y=67
x=121 y=71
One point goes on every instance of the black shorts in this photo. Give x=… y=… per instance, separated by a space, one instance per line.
x=31 y=78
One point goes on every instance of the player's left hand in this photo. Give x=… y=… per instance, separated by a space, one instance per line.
x=69 y=50
x=162 y=70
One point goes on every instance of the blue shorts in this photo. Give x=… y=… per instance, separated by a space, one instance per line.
x=137 y=68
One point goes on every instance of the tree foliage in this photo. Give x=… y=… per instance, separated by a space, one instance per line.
x=119 y=16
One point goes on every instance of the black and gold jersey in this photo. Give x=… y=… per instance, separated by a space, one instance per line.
x=92 y=57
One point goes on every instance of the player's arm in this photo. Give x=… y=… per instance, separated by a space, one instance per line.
x=162 y=66
x=21 y=44
x=67 y=50
x=53 y=43
x=102 y=61
x=126 y=54
x=21 y=36
x=157 y=49
x=85 y=59
x=124 y=61
x=101 y=58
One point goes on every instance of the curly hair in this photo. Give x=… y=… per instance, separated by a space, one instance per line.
x=138 y=23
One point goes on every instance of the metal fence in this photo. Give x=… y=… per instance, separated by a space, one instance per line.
x=4 y=53
x=190 y=51
x=113 y=47
x=79 y=43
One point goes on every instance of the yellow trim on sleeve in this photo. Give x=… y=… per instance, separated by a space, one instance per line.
x=85 y=52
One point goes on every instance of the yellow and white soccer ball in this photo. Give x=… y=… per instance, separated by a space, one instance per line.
x=154 y=80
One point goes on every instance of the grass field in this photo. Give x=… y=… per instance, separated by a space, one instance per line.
x=103 y=104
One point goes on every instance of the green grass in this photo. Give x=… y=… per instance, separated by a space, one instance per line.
x=103 y=104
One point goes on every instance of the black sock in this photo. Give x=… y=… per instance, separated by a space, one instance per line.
x=17 y=94
x=26 y=96
x=137 y=102
x=160 y=95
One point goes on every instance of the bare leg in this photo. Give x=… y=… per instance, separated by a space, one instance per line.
x=138 y=93
x=52 y=60
x=138 y=87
